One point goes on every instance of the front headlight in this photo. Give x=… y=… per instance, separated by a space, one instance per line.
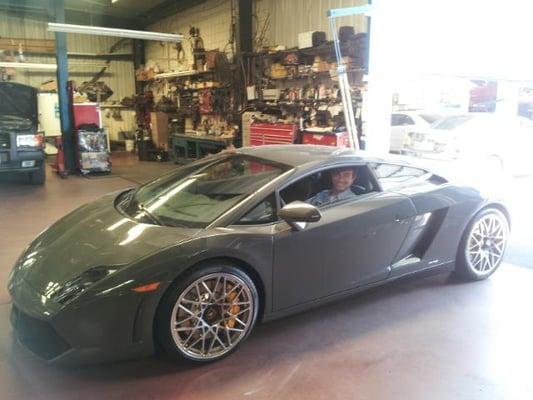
x=73 y=288
x=34 y=141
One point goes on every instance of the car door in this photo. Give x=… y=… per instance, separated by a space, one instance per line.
x=352 y=245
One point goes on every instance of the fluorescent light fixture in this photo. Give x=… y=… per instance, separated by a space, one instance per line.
x=124 y=33
x=51 y=67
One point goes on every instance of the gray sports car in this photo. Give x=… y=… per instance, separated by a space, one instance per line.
x=190 y=262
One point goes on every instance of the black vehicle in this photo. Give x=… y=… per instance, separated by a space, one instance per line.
x=192 y=261
x=21 y=146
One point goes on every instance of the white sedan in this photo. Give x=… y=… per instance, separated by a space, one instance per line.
x=498 y=142
x=406 y=121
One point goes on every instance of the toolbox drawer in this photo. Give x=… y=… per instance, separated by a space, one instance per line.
x=264 y=134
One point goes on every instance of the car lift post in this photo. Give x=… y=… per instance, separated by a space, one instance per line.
x=62 y=91
x=344 y=84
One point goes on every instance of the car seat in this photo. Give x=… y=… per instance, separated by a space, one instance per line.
x=362 y=184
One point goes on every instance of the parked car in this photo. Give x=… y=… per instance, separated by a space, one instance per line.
x=190 y=262
x=502 y=143
x=406 y=121
x=21 y=145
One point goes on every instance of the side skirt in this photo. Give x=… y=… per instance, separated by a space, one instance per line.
x=432 y=270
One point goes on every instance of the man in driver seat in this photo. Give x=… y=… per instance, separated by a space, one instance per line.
x=341 y=181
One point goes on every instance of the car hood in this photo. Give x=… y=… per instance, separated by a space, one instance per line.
x=18 y=100
x=93 y=235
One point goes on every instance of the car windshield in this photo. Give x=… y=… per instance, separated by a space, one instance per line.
x=449 y=123
x=194 y=196
x=429 y=118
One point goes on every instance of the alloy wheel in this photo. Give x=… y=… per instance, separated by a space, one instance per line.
x=486 y=243
x=212 y=315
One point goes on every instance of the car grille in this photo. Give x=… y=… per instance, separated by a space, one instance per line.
x=5 y=141
x=38 y=336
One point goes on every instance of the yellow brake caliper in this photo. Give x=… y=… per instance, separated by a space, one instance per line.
x=234 y=309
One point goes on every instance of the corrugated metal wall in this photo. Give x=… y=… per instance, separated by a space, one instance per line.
x=212 y=18
x=286 y=20
x=114 y=126
x=120 y=77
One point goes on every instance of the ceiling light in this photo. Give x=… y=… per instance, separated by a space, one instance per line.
x=51 y=67
x=124 y=33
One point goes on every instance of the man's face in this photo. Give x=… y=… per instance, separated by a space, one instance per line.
x=342 y=179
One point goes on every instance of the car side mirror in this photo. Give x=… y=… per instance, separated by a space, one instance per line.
x=297 y=214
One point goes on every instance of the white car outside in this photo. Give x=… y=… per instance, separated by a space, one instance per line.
x=502 y=143
x=403 y=122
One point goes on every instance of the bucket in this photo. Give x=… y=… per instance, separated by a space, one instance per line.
x=130 y=143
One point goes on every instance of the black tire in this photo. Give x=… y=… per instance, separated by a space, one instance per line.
x=465 y=266
x=38 y=177
x=165 y=313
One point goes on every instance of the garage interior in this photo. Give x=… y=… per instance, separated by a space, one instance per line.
x=116 y=111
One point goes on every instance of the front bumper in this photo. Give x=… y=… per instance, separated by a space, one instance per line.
x=11 y=162
x=102 y=329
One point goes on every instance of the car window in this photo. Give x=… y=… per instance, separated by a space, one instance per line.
x=318 y=188
x=263 y=213
x=452 y=122
x=401 y=119
x=396 y=119
x=407 y=120
x=429 y=118
x=199 y=197
x=394 y=175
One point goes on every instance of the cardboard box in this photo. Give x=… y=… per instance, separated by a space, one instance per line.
x=159 y=122
x=305 y=40
x=49 y=86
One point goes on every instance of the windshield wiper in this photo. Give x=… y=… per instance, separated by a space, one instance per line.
x=146 y=212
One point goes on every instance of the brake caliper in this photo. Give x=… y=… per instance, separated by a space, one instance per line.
x=233 y=310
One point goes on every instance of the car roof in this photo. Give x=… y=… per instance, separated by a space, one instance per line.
x=298 y=155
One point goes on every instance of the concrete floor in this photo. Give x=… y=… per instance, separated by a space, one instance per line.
x=418 y=338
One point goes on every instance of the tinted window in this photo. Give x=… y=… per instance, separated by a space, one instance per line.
x=393 y=175
x=316 y=188
x=396 y=119
x=401 y=119
x=407 y=120
x=196 y=198
x=264 y=212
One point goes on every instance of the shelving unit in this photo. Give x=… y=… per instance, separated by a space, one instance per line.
x=308 y=88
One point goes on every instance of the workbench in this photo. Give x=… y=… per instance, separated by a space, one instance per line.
x=186 y=148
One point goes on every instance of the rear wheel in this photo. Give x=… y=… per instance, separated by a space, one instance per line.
x=38 y=177
x=483 y=245
x=206 y=315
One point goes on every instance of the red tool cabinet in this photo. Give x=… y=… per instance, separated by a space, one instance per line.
x=265 y=133
x=338 y=139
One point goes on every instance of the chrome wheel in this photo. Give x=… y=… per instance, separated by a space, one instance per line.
x=486 y=243
x=212 y=315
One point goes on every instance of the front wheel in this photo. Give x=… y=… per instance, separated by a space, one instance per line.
x=483 y=245
x=206 y=315
x=38 y=177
